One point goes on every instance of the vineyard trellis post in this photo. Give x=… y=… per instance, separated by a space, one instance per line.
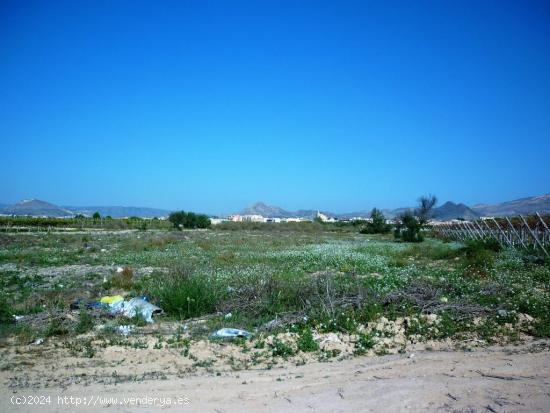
x=534 y=236
x=515 y=232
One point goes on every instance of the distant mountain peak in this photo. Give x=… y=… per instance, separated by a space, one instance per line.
x=269 y=211
x=451 y=210
x=36 y=207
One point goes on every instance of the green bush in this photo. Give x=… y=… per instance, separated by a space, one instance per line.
x=182 y=219
x=280 y=349
x=480 y=255
x=541 y=327
x=85 y=322
x=184 y=294
x=411 y=223
x=6 y=311
x=306 y=343
x=378 y=224
x=364 y=343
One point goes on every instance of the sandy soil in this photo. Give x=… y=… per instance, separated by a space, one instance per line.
x=495 y=379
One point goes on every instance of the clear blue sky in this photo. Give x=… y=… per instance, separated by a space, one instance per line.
x=210 y=106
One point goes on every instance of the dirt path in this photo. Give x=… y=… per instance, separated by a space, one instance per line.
x=499 y=379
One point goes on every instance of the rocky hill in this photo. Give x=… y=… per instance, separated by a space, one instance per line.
x=36 y=208
x=529 y=205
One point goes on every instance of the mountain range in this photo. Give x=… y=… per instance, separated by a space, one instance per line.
x=120 y=211
x=449 y=210
x=35 y=207
x=528 y=205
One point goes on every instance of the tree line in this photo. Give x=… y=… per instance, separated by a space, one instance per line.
x=182 y=219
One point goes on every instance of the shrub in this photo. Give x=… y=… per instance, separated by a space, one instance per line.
x=185 y=294
x=411 y=223
x=378 y=224
x=124 y=280
x=182 y=219
x=480 y=255
x=306 y=343
x=281 y=349
x=85 y=322
x=6 y=312
x=541 y=327
x=55 y=328
x=364 y=343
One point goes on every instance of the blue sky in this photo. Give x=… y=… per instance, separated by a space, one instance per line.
x=210 y=106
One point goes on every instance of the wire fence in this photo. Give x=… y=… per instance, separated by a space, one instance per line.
x=529 y=232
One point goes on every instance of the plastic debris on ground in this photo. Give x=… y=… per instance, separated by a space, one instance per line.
x=230 y=333
x=39 y=341
x=111 y=299
x=135 y=306
x=80 y=303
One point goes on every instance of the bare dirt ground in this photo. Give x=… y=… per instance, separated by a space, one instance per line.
x=494 y=379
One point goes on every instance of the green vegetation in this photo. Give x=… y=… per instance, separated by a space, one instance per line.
x=411 y=223
x=189 y=220
x=377 y=225
x=35 y=224
x=303 y=278
x=306 y=343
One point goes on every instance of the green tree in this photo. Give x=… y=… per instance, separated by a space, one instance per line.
x=189 y=220
x=177 y=219
x=377 y=225
x=411 y=223
x=203 y=221
x=96 y=215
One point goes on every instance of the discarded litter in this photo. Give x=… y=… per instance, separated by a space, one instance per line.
x=111 y=299
x=18 y=317
x=228 y=315
x=135 y=306
x=39 y=341
x=230 y=333
x=125 y=330
x=80 y=303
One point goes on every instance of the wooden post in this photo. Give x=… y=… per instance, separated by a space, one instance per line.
x=491 y=231
x=534 y=236
x=545 y=226
x=480 y=229
x=508 y=241
x=517 y=234
x=470 y=233
x=474 y=231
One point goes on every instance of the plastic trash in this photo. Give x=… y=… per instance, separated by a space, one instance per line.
x=228 y=315
x=230 y=333
x=135 y=306
x=39 y=341
x=111 y=299
x=81 y=302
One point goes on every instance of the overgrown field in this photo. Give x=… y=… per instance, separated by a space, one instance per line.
x=297 y=291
